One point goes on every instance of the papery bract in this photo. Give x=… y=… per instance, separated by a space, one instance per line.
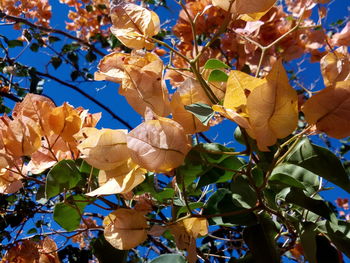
x=158 y=145
x=120 y=180
x=104 y=149
x=330 y=110
x=21 y=137
x=188 y=93
x=65 y=121
x=133 y=25
x=335 y=66
x=125 y=228
x=272 y=108
x=37 y=108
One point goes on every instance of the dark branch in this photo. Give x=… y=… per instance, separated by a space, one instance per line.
x=10 y=96
x=50 y=30
x=86 y=95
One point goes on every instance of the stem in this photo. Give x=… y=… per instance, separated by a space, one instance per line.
x=50 y=30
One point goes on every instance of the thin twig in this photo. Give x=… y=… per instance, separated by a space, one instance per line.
x=50 y=30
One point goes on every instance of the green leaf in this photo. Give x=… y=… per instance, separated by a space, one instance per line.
x=218 y=75
x=34 y=47
x=63 y=176
x=106 y=253
x=202 y=111
x=320 y=161
x=90 y=56
x=340 y=235
x=242 y=193
x=215 y=64
x=221 y=172
x=326 y=253
x=297 y=176
x=308 y=241
x=68 y=214
x=169 y=258
x=14 y=43
x=213 y=153
x=147 y=186
x=222 y=202
x=260 y=239
x=74 y=75
x=56 y=62
x=53 y=39
x=297 y=196
x=32 y=231
x=88 y=169
x=192 y=206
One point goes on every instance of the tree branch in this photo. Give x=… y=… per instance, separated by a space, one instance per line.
x=50 y=30
x=100 y=104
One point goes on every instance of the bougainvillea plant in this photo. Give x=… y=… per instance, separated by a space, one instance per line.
x=164 y=191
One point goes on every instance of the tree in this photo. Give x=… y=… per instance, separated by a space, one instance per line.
x=166 y=190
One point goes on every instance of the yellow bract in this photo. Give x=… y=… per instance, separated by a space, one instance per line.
x=20 y=137
x=125 y=228
x=158 y=145
x=140 y=74
x=239 y=86
x=104 y=149
x=330 y=110
x=65 y=121
x=120 y=180
x=188 y=93
x=186 y=232
x=254 y=8
x=133 y=25
x=272 y=108
x=266 y=108
x=335 y=66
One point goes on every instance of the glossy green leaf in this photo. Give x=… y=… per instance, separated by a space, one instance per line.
x=320 y=161
x=242 y=193
x=56 y=62
x=221 y=202
x=260 y=239
x=106 y=253
x=298 y=197
x=169 y=258
x=296 y=176
x=53 y=39
x=192 y=206
x=68 y=214
x=326 y=253
x=217 y=76
x=213 y=153
x=63 y=176
x=215 y=64
x=308 y=241
x=202 y=111
x=147 y=186
x=221 y=172
x=286 y=180
x=14 y=43
x=339 y=235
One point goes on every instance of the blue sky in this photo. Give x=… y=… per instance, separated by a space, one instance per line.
x=108 y=92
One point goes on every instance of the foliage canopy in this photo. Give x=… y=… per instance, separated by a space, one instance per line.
x=163 y=191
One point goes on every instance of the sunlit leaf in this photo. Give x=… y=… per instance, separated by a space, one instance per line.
x=104 y=149
x=330 y=110
x=125 y=228
x=187 y=94
x=133 y=25
x=272 y=108
x=215 y=64
x=62 y=177
x=158 y=145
